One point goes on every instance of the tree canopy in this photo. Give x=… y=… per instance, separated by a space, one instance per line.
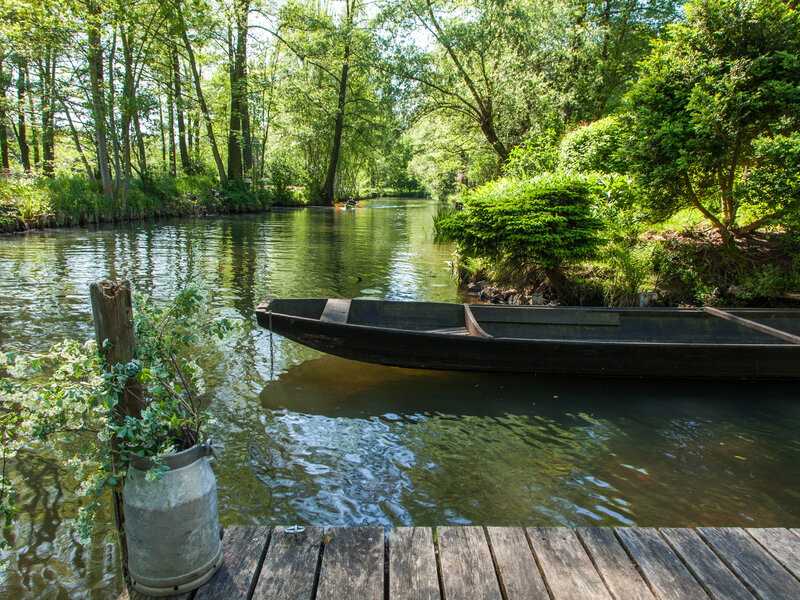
x=705 y=110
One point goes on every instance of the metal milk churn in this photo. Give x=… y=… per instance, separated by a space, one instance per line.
x=172 y=525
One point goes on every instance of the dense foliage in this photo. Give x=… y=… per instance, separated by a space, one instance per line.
x=523 y=221
x=709 y=100
x=315 y=100
x=705 y=139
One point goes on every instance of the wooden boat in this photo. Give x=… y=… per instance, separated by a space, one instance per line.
x=620 y=342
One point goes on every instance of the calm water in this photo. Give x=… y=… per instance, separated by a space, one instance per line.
x=317 y=439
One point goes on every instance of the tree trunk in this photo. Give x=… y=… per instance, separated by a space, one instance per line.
x=77 y=141
x=173 y=167
x=37 y=157
x=4 y=164
x=240 y=152
x=328 y=191
x=128 y=108
x=244 y=102
x=176 y=71
x=112 y=113
x=163 y=133
x=202 y=100
x=196 y=128
x=47 y=75
x=234 y=123
x=5 y=81
x=487 y=127
x=483 y=110
x=95 y=60
x=139 y=141
x=22 y=136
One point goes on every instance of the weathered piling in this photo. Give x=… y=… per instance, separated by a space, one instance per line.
x=112 y=311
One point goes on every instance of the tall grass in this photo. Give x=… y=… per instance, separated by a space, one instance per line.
x=444 y=210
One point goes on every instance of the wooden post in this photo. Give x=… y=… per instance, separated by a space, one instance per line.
x=112 y=310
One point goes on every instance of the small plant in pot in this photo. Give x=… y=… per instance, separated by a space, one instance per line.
x=127 y=417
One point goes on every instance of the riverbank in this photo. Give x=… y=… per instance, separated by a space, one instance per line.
x=39 y=203
x=663 y=269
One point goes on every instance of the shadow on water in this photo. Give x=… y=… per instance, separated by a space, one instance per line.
x=336 y=387
x=377 y=445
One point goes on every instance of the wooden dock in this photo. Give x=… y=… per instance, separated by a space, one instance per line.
x=506 y=563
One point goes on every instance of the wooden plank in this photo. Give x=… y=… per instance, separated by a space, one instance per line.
x=519 y=573
x=473 y=327
x=242 y=553
x=336 y=311
x=567 y=569
x=290 y=565
x=782 y=545
x=412 y=564
x=615 y=567
x=762 y=573
x=716 y=578
x=661 y=567
x=466 y=564
x=352 y=564
x=784 y=335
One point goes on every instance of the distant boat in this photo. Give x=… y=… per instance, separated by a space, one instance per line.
x=699 y=343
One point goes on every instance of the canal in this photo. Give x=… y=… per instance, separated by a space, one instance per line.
x=312 y=439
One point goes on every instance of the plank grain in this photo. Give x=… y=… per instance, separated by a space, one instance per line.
x=467 y=568
x=519 y=573
x=615 y=567
x=661 y=567
x=567 y=569
x=352 y=564
x=412 y=564
x=290 y=565
x=718 y=580
x=782 y=545
x=754 y=565
x=242 y=552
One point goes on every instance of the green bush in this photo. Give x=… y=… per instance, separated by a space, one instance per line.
x=281 y=176
x=532 y=221
x=538 y=155
x=772 y=185
x=594 y=147
x=27 y=196
x=769 y=280
x=631 y=272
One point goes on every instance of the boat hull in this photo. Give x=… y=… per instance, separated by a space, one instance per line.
x=430 y=350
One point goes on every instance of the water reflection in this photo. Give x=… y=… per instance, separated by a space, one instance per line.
x=440 y=447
